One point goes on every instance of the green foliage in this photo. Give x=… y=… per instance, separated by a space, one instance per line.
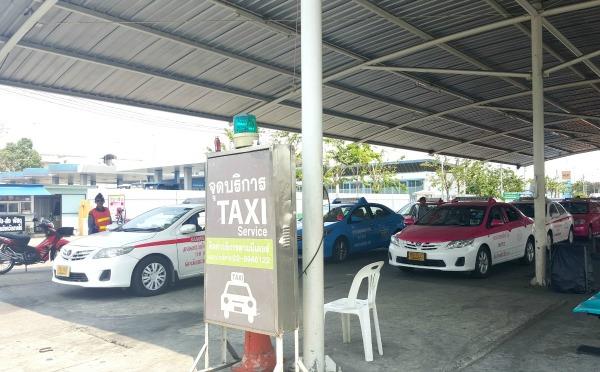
x=474 y=178
x=359 y=163
x=443 y=177
x=20 y=155
x=555 y=187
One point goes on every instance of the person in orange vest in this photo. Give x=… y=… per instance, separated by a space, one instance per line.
x=99 y=217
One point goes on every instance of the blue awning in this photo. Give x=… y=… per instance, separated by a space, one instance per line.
x=23 y=190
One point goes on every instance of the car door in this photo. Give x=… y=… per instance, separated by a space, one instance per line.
x=517 y=231
x=499 y=236
x=566 y=219
x=556 y=225
x=382 y=225
x=190 y=247
x=595 y=217
x=361 y=228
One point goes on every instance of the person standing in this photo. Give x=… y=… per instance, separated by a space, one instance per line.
x=421 y=208
x=99 y=217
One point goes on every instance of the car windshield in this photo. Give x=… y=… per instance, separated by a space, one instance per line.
x=526 y=208
x=454 y=215
x=576 y=208
x=237 y=289
x=337 y=214
x=155 y=220
x=406 y=209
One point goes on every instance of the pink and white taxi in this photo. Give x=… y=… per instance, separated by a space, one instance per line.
x=559 y=222
x=147 y=254
x=465 y=236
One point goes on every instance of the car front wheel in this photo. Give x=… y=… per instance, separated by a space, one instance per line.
x=151 y=276
x=483 y=263
x=529 y=257
x=340 y=250
x=571 y=236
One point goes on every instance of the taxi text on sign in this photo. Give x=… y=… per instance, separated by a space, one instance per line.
x=251 y=268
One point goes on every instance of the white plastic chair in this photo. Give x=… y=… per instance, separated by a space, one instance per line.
x=352 y=305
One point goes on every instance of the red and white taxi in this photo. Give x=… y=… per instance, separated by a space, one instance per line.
x=465 y=236
x=586 y=216
x=559 y=222
x=147 y=253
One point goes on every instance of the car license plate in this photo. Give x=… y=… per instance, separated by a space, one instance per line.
x=416 y=256
x=63 y=270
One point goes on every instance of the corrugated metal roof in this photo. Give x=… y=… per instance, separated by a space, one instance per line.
x=217 y=58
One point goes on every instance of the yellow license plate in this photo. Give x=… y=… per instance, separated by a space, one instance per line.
x=63 y=270
x=416 y=256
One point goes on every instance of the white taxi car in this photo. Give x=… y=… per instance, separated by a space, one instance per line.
x=146 y=254
x=559 y=222
x=464 y=236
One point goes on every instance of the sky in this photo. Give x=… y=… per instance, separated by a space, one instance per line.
x=68 y=129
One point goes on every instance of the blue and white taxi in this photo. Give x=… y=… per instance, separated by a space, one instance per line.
x=146 y=254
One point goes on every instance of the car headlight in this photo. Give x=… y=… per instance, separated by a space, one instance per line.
x=460 y=243
x=395 y=241
x=580 y=222
x=112 y=252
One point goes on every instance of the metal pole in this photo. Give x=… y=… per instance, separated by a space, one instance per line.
x=312 y=185
x=538 y=148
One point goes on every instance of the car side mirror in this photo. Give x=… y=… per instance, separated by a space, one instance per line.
x=496 y=222
x=113 y=226
x=187 y=229
x=409 y=220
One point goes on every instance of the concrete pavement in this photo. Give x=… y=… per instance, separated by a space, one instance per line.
x=429 y=322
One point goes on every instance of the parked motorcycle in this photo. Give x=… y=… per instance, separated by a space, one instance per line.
x=15 y=251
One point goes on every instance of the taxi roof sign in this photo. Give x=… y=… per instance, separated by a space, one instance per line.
x=360 y=200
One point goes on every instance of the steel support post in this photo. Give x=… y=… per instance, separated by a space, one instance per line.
x=538 y=148
x=312 y=186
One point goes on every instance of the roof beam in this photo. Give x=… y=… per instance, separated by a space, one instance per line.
x=276 y=27
x=223 y=89
x=567 y=43
x=485 y=102
x=445 y=71
x=582 y=58
x=429 y=44
x=228 y=54
x=498 y=8
x=570 y=8
x=550 y=113
x=503 y=133
x=142 y=71
x=24 y=28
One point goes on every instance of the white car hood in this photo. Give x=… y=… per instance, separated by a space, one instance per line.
x=112 y=239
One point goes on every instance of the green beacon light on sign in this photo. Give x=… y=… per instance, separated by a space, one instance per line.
x=245 y=130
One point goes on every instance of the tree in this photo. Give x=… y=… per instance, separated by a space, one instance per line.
x=554 y=186
x=20 y=155
x=442 y=178
x=474 y=177
x=382 y=176
x=348 y=161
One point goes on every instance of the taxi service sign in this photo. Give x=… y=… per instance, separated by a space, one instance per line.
x=251 y=255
